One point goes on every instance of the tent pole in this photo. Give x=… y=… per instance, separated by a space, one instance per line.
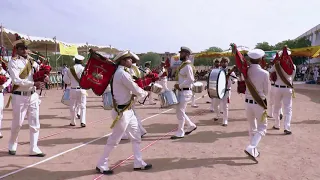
x=55 y=52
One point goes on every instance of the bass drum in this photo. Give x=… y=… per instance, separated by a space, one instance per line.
x=107 y=101
x=167 y=99
x=217 y=83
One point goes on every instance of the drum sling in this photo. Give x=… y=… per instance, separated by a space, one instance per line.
x=23 y=75
x=115 y=106
x=184 y=64
x=256 y=97
x=284 y=80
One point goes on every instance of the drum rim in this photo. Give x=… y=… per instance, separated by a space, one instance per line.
x=225 y=87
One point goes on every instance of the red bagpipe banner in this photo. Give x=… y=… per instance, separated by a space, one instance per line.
x=286 y=61
x=242 y=66
x=97 y=73
x=273 y=75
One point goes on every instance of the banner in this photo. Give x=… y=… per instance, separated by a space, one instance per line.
x=68 y=50
x=175 y=61
x=270 y=54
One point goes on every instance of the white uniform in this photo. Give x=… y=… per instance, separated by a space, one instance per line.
x=271 y=99
x=149 y=92
x=25 y=101
x=78 y=110
x=123 y=88
x=258 y=127
x=78 y=96
x=186 y=79
x=142 y=130
x=163 y=80
x=224 y=105
x=2 y=87
x=283 y=95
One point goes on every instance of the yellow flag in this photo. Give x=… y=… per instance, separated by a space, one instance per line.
x=68 y=50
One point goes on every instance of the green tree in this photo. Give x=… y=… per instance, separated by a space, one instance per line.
x=214 y=49
x=264 y=46
x=150 y=56
x=207 y=61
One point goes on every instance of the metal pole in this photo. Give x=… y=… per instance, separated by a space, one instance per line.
x=55 y=52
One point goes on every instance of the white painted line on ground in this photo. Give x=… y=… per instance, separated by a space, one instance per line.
x=77 y=147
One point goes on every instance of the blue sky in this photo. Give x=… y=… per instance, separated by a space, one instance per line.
x=162 y=25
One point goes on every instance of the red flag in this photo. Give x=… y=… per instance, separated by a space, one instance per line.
x=286 y=61
x=241 y=62
x=167 y=65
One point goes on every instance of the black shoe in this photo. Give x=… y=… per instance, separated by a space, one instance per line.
x=275 y=128
x=78 y=116
x=286 y=132
x=176 y=137
x=215 y=119
x=1 y=136
x=72 y=124
x=189 y=132
x=83 y=125
x=12 y=152
x=281 y=116
x=38 y=155
x=108 y=172
x=224 y=125
x=251 y=157
x=143 y=134
x=147 y=167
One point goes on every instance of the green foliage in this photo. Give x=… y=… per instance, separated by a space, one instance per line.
x=214 y=49
x=291 y=43
x=150 y=56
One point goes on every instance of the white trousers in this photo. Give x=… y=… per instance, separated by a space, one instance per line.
x=224 y=106
x=78 y=99
x=270 y=103
x=142 y=129
x=193 y=99
x=283 y=96
x=1 y=110
x=22 y=106
x=257 y=127
x=128 y=123
x=164 y=84
x=184 y=97
x=215 y=106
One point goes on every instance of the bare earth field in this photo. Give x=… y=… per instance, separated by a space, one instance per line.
x=211 y=152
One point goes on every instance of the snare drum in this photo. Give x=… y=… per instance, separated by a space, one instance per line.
x=197 y=87
x=167 y=99
x=107 y=101
x=66 y=97
x=156 y=88
x=217 y=83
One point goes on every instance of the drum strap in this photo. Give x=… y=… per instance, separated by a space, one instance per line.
x=23 y=74
x=74 y=74
x=115 y=106
x=257 y=98
x=184 y=64
x=285 y=80
x=136 y=71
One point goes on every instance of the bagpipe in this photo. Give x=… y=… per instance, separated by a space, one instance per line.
x=145 y=81
x=242 y=65
x=44 y=69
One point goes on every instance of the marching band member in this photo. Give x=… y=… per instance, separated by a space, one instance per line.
x=185 y=75
x=2 y=87
x=147 y=71
x=283 y=92
x=78 y=96
x=124 y=89
x=271 y=94
x=215 y=102
x=24 y=98
x=255 y=112
x=231 y=79
x=163 y=74
x=135 y=72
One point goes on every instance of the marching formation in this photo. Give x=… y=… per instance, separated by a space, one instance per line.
x=122 y=84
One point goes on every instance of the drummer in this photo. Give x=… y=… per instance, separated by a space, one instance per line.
x=215 y=102
x=163 y=74
x=185 y=78
x=231 y=79
x=147 y=71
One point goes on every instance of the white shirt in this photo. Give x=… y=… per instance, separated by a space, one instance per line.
x=8 y=82
x=186 y=76
x=260 y=80
x=288 y=77
x=231 y=78
x=161 y=73
x=15 y=67
x=124 y=87
x=69 y=79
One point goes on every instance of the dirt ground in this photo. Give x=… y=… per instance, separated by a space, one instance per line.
x=211 y=152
